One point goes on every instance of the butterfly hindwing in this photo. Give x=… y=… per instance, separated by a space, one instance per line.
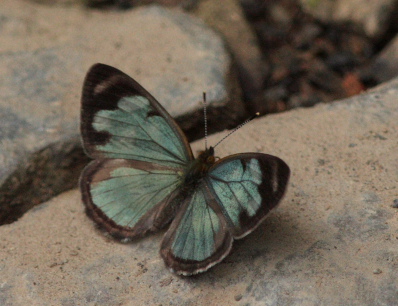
x=128 y=198
x=247 y=186
x=141 y=154
x=197 y=238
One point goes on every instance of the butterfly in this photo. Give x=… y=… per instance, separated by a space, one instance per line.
x=144 y=177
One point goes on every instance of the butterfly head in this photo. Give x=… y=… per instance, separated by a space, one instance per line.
x=200 y=166
x=207 y=157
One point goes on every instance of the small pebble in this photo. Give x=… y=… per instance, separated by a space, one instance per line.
x=238 y=297
x=395 y=203
x=377 y=271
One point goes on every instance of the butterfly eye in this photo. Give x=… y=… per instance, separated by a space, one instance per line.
x=210 y=159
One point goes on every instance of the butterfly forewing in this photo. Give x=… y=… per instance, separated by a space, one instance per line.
x=141 y=154
x=120 y=119
x=247 y=186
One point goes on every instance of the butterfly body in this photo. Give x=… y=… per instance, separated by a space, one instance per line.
x=144 y=177
x=199 y=167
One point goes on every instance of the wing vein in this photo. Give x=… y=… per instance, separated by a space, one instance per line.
x=159 y=160
x=161 y=132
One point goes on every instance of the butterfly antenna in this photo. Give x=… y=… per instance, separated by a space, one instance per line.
x=237 y=128
x=205 y=117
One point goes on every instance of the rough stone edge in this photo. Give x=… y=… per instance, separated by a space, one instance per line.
x=219 y=118
x=42 y=175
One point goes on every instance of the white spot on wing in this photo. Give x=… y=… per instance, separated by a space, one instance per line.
x=102 y=86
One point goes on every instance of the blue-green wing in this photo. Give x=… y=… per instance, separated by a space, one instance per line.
x=140 y=155
x=230 y=201
x=120 y=119
x=247 y=187
x=198 y=238
x=129 y=198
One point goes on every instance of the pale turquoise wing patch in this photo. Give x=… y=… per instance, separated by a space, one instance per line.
x=129 y=198
x=138 y=132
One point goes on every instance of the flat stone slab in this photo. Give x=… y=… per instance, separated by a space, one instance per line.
x=332 y=241
x=385 y=65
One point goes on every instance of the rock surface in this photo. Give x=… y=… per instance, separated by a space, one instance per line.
x=374 y=17
x=386 y=62
x=227 y=18
x=45 y=52
x=332 y=241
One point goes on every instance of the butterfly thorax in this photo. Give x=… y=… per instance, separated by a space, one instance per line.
x=199 y=167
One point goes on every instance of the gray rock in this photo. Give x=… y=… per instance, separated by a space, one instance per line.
x=227 y=18
x=334 y=229
x=45 y=52
x=385 y=64
x=374 y=17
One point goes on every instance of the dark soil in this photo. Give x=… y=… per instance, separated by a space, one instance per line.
x=310 y=62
